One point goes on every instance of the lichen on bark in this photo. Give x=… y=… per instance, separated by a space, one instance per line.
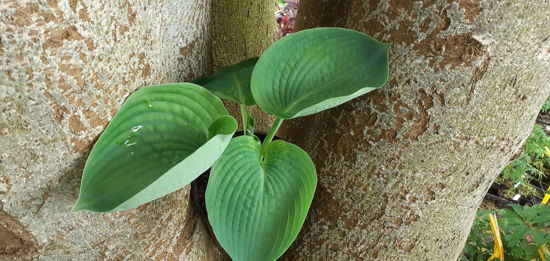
x=403 y=170
x=67 y=66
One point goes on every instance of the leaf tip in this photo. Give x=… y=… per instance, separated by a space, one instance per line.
x=224 y=125
x=80 y=205
x=77 y=207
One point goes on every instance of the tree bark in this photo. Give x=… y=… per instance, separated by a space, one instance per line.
x=67 y=67
x=403 y=169
x=241 y=30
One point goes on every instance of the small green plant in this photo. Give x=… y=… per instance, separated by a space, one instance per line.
x=258 y=194
x=546 y=106
x=479 y=245
x=524 y=230
x=532 y=164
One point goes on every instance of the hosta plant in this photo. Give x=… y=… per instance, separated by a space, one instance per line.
x=258 y=194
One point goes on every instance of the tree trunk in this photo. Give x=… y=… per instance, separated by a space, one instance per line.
x=403 y=170
x=66 y=69
x=241 y=30
x=69 y=66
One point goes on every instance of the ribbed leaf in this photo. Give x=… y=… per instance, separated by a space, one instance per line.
x=161 y=139
x=231 y=82
x=317 y=69
x=256 y=208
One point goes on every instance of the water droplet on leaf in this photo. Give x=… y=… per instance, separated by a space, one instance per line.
x=128 y=143
x=136 y=128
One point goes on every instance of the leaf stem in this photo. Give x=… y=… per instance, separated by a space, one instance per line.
x=272 y=132
x=244 y=114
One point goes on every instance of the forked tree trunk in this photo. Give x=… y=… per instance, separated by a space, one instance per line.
x=403 y=170
x=66 y=69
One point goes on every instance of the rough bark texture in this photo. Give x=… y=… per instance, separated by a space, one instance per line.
x=66 y=67
x=241 y=30
x=403 y=170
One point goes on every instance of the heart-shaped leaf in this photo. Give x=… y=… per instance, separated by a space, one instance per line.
x=161 y=139
x=231 y=82
x=257 y=207
x=317 y=69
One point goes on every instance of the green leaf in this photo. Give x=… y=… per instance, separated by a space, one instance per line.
x=161 y=139
x=517 y=235
x=543 y=214
x=231 y=82
x=529 y=213
x=539 y=237
x=517 y=252
x=530 y=253
x=511 y=217
x=256 y=208
x=317 y=69
x=517 y=208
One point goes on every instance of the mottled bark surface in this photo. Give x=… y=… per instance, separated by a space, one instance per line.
x=241 y=30
x=403 y=170
x=66 y=67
